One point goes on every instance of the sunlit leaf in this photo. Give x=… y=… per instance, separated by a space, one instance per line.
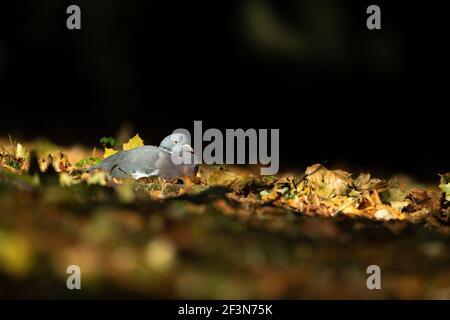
x=109 y=152
x=328 y=183
x=134 y=142
x=21 y=152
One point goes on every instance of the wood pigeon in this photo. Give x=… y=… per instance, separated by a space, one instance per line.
x=172 y=159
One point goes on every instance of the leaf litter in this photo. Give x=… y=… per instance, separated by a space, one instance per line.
x=51 y=181
x=320 y=191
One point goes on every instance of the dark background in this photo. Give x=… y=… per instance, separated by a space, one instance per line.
x=375 y=100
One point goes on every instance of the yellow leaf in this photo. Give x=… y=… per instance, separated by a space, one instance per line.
x=109 y=152
x=134 y=142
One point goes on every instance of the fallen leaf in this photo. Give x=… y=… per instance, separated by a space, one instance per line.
x=328 y=183
x=364 y=182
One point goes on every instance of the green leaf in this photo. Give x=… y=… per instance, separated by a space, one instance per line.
x=13 y=163
x=108 y=142
x=91 y=161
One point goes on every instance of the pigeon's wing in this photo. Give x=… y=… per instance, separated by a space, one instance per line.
x=138 y=162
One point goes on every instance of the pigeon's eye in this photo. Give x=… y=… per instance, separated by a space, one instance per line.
x=176 y=141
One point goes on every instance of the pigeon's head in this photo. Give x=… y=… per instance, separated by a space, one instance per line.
x=175 y=139
x=182 y=150
x=183 y=154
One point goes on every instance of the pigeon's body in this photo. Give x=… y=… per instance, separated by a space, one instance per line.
x=136 y=163
x=147 y=161
x=171 y=165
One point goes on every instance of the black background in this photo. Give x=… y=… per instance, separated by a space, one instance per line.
x=281 y=309
x=375 y=100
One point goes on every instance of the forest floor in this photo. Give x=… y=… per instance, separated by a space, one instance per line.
x=224 y=233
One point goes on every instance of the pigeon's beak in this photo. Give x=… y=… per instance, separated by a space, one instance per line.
x=189 y=149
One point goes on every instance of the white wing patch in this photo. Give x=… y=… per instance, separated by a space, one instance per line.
x=137 y=175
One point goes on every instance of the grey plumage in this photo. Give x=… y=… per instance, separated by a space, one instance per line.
x=164 y=161
x=173 y=140
x=127 y=163
x=179 y=163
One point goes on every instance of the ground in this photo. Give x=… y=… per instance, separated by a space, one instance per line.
x=225 y=233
